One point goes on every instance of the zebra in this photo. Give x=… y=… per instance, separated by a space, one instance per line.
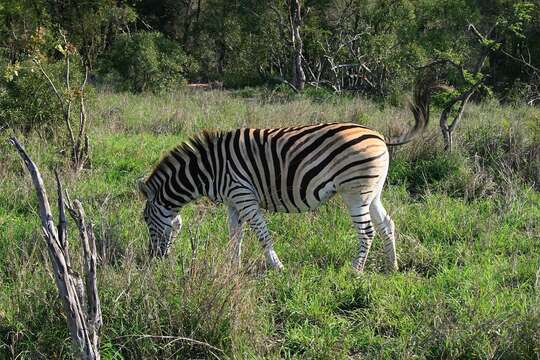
x=293 y=169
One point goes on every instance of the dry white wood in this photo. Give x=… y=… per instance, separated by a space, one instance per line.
x=93 y=305
x=83 y=313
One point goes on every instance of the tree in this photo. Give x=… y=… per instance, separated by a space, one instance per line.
x=77 y=135
x=91 y=24
x=295 y=19
x=472 y=80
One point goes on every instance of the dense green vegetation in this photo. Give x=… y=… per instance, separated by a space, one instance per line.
x=468 y=243
x=368 y=46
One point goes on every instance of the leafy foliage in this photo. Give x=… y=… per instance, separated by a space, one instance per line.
x=27 y=100
x=147 y=61
x=349 y=45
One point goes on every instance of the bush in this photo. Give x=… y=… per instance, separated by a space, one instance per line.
x=147 y=61
x=27 y=100
x=454 y=174
x=319 y=94
x=430 y=172
x=508 y=149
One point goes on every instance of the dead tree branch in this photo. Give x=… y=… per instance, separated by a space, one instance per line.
x=83 y=313
x=463 y=98
x=86 y=234
x=464 y=95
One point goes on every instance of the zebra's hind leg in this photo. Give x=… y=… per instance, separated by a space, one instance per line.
x=235 y=234
x=361 y=219
x=385 y=226
x=251 y=213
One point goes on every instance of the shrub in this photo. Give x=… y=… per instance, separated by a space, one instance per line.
x=26 y=98
x=319 y=94
x=430 y=171
x=454 y=174
x=147 y=61
x=507 y=149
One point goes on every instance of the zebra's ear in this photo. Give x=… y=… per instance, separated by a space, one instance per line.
x=144 y=189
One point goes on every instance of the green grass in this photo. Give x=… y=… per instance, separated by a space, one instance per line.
x=468 y=244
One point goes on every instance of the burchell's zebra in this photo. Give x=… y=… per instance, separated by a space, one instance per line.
x=287 y=170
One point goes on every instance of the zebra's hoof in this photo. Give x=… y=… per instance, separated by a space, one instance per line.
x=273 y=261
x=276 y=265
x=392 y=269
x=357 y=266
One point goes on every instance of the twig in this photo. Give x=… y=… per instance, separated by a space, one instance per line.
x=80 y=153
x=50 y=82
x=63 y=35
x=168 y=337
x=483 y=38
x=62 y=223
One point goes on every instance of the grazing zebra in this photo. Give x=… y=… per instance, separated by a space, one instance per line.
x=291 y=169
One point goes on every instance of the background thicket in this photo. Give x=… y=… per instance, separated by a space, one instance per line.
x=368 y=46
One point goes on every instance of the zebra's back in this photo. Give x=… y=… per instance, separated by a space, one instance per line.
x=296 y=169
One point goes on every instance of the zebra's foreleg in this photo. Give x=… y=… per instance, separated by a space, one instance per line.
x=235 y=234
x=252 y=215
x=385 y=226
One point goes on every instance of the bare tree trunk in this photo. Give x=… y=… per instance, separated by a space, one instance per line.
x=82 y=308
x=463 y=97
x=299 y=77
x=447 y=129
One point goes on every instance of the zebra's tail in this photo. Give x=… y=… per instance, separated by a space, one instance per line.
x=420 y=109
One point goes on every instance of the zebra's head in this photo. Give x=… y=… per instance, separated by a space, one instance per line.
x=163 y=223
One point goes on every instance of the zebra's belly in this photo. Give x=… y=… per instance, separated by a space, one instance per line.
x=290 y=208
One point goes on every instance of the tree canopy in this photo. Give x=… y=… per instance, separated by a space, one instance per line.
x=368 y=46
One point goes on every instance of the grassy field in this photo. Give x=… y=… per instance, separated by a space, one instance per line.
x=468 y=227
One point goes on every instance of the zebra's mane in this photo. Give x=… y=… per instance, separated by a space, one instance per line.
x=190 y=146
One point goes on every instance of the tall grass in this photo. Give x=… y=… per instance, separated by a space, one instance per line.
x=468 y=244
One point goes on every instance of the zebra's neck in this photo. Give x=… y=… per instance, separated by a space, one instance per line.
x=187 y=173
